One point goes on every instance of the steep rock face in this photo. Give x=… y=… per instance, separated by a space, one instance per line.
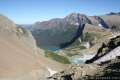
x=20 y=59
x=106 y=48
x=63 y=30
x=55 y=36
x=108 y=69
x=15 y=54
x=92 y=37
x=111 y=21
x=77 y=19
x=111 y=55
x=98 y=21
x=59 y=31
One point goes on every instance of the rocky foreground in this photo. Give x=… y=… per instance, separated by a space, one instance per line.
x=105 y=65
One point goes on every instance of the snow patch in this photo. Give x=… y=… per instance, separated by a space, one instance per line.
x=111 y=55
x=77 y=24
x=100 y=25
x=87 y=45
x=51 y=72
x=87 y=57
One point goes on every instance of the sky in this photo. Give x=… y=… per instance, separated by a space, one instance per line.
x=31 y=11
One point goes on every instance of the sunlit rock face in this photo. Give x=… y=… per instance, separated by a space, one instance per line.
x=15 y=52
x=56 y=32
x=109 y=50
x=20 y=59
x=59 y=31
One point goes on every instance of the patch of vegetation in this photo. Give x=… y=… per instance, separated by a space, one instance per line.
x=21 y=31
x=71 y=54
x=56 y=57
x=82 y=47
x=77 y=42
x=88 y=37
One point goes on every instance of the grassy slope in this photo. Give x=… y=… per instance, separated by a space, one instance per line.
x=56 y=57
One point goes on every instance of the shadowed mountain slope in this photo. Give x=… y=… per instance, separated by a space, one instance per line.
x=61 y=32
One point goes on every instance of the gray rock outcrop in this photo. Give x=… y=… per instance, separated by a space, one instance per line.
x=105 y=65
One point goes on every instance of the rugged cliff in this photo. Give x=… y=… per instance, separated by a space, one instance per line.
x=102 y=69
x=62 y=32
x=20 y=59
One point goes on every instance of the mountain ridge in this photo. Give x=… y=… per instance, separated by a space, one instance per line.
x=67 y=27
x=20 y=58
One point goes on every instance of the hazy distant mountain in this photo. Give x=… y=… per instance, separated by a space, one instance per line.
x=113 y=22
x=113 y=13
x=26 y=26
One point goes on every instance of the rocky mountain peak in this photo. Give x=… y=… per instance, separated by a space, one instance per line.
x=77 y=19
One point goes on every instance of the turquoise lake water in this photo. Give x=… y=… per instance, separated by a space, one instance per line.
x=74 y=60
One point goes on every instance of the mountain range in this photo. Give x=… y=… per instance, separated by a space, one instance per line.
x=61 y=32
x=24 y=55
